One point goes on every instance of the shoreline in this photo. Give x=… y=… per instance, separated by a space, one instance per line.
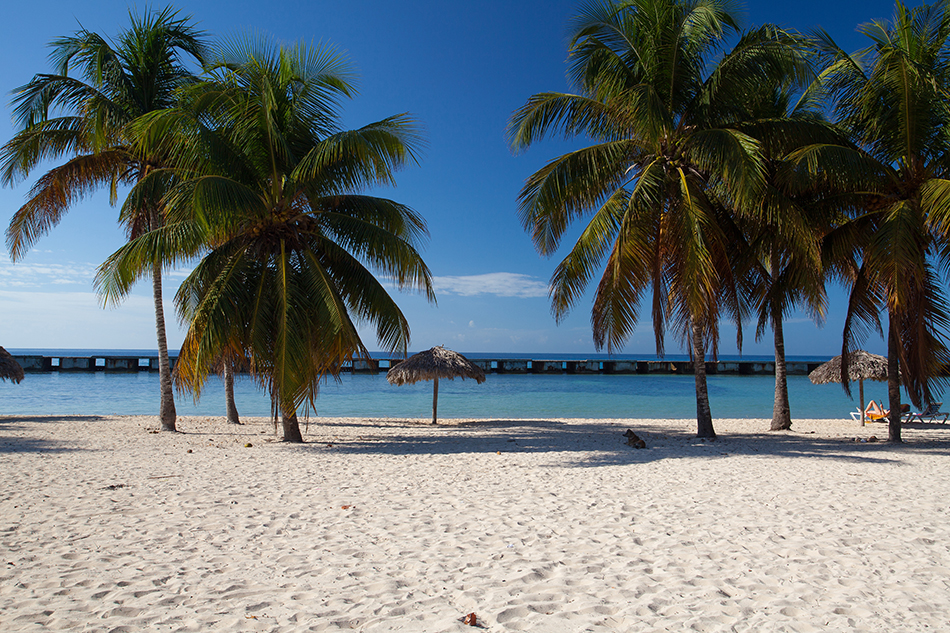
x=537 y=525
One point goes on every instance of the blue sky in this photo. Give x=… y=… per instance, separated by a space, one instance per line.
x=460 y=69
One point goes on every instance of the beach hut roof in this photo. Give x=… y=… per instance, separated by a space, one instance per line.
x=861 y=366
x=9 y=368
x=432 y=364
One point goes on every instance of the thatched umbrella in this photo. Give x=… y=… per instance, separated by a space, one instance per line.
x=861 y=366
x=433 y=364
x=9 y=368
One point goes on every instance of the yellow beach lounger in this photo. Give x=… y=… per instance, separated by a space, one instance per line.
x=873 y=413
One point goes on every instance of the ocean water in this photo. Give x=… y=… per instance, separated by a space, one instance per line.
x=500 y=396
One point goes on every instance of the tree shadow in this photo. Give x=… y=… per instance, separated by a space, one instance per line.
x=922 y=425
x=603 y=444
x=6 y=419
x=11 y=444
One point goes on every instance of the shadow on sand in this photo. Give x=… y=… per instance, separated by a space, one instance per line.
x=20 y=444
x=7 y=419
x=581 y=444
x=602 y=444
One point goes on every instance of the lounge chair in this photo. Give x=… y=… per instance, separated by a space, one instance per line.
x=931 y=413
x=906 y=414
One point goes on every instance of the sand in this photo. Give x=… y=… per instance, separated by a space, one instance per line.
x=533 y=525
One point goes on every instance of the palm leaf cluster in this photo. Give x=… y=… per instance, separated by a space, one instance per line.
x=84 y=116
x=9 y=368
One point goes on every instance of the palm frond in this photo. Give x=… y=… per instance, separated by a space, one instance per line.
x=568 y=186
x=736 y=158
x=169 y=245
x=363 y=295
x=388 y=249
x=53 y=194
x=863 y=316
x=573 y=115
x=366 y=157
x=572 y=275
x=44 y=141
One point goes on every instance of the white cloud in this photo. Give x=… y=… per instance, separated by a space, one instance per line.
x=34 y=275
x=76 y=320
x=178 y=273
x=499 y=284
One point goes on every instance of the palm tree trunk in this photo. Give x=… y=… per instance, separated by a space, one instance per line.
x=166 y=414
x=288 y=420
x=893 y=382
x=704 y=424
x=233 y=417
x=781 y=412
x=861 y=395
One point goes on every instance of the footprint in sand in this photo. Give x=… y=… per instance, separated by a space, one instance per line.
x=512 y=614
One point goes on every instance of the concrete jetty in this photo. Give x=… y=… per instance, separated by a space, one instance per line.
x=108 y=363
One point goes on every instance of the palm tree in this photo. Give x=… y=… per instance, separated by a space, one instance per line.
x=893 y=98
x=268 y=191
x=227 y=366
x=668 y=165
x=84 y=119
x=785 y=228
x=230 y=405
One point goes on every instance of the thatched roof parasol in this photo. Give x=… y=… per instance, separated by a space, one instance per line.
x=861 y=366
x=434 y=364
x=9 y=368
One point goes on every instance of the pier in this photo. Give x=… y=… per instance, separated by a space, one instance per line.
x=112 y=364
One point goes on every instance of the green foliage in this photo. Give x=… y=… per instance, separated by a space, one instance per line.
x=85 y=117
x=674 y=147
x=680 y=144
x=267 y=188
x=892 y=98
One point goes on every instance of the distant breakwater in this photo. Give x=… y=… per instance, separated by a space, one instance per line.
x=136 y=363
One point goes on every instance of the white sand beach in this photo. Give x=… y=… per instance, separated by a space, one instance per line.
x=533 y=525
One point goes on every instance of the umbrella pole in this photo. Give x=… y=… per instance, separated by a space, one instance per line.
x=435 y=399
x=861 y=387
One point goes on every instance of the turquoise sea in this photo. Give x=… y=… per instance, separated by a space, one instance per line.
x=500 y=396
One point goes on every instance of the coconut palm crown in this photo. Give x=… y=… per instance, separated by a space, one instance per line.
x=668 y=162
x=269 y=196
